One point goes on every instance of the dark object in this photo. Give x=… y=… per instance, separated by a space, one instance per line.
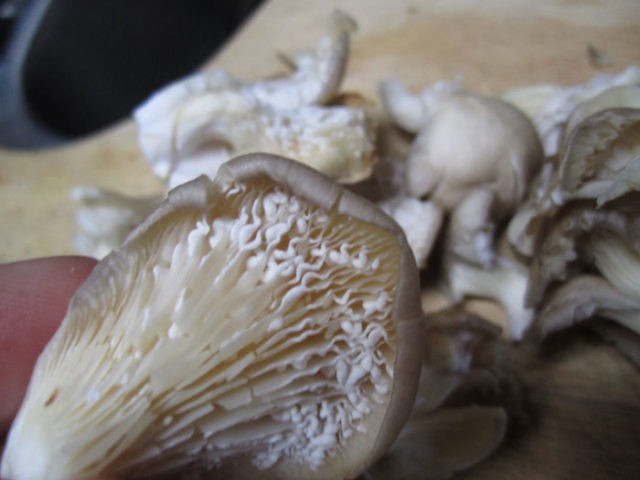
x=73 y=67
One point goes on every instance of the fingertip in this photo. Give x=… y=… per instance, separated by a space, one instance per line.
x=33 y=301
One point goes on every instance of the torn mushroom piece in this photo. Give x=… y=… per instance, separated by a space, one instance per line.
x=563 y=239
x=265 y=324
x=192 y=126
x=208 y=128
x=420 y=220
x=473 y=155
x=550 y=106
x=600 y=162
x=317 y=74
x=622 y=96
x=601 y=149
x=586 y=297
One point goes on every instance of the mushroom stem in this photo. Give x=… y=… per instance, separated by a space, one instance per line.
x=403 y=107
x=506 y=282
x=471 y=227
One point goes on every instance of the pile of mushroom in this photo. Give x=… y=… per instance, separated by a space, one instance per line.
x=265 y=321
x=564 y=226
x=196 y=124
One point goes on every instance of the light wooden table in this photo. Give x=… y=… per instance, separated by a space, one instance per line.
x=585 y=398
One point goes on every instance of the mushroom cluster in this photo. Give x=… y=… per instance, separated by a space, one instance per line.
x=553 y=238
x=195 y=124
x=580 y=231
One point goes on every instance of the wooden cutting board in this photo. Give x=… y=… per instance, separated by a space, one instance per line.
x=584 y=398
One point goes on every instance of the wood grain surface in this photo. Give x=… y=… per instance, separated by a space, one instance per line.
x=584 y=398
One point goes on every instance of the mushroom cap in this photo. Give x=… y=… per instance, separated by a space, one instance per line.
x=471 y=141
x=265 y=323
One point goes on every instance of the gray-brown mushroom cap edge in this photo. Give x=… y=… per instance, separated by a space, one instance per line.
x=318 y=189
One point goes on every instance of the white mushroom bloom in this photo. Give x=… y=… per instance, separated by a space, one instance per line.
x=264 y=324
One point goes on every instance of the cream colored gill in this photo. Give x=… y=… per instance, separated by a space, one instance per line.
x=261 y=329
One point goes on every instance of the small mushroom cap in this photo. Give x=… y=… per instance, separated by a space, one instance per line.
x=471 y=141
x=265 y=324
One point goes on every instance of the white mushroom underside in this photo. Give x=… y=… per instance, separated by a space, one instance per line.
x=265 y=331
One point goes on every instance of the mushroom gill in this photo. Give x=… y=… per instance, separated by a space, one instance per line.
x=268 y=321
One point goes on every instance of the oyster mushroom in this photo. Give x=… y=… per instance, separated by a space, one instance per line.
x=474 y=156
x=602 y=279
x=621 y=96
x=267 y=323
x=195 y=124
x=580 y=230
x=562 y=242
x=506 y=283
x=604 y=146
x=599 y=162
x=206 y=128
x=550 y=106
